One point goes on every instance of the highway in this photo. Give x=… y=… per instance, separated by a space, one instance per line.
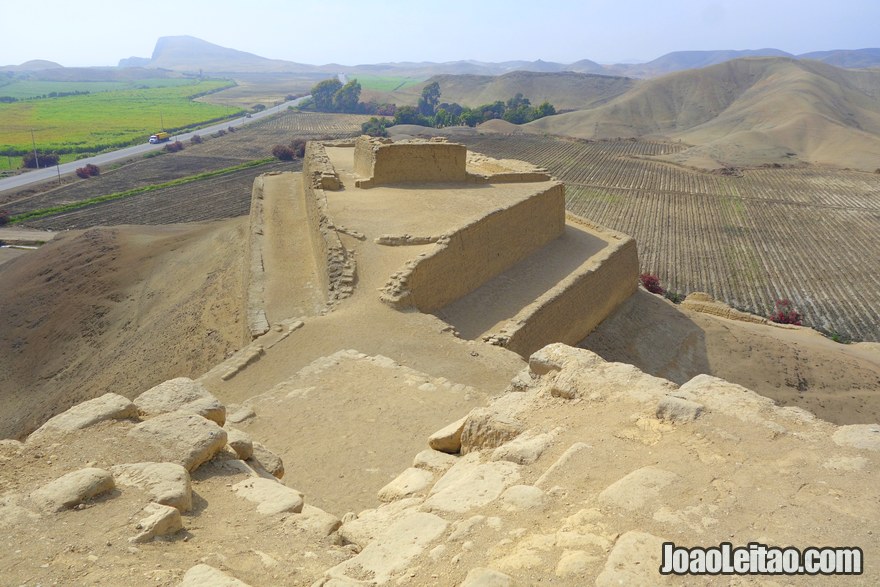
x=50 y=173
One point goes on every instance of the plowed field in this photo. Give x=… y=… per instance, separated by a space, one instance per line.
x=807 y=234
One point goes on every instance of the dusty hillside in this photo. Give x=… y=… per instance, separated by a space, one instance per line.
x=115 y=309
x=746 y=112
x=566 y=90
x=794 y=367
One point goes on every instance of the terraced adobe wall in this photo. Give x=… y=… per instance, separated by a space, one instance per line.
x=571 y=310
x=255 y=276
x=338 y=277
x=466 y=259
x=380 y=163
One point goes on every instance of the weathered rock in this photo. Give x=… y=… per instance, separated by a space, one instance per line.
x=866 y=436
x=268 y=460
x=676 y=409
x=184 y=395
x=471 y=484
x=186 y=439
x=240 y=442
x=523 y=497
x=577 y=457
x=10 y=448
x=574 y=564
x=109 y=406
x=314 y=521
x=412 y=481
x=73 y=488
x=485 y=577
x=487 y=428
x=729 y=398
x=448 y=438
x=206 y=576
x=433 y=460
x=160 y=520
x=393 y=550
x=238 y=414
x=365 y=527
x=166 y=483
x=524 y=449
x=638 y=488
x=634 y=560
x=271 y=497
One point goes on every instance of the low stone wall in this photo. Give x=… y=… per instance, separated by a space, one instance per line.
x=466 y=259
x=337 y=280
x=255 y=276
x=379 y=162
x=571 y=310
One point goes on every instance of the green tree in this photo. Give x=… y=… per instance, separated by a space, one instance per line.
x=544 y=109
x=346 y=98
x=323 y=92
x=375 y=127
x=410 y=115
x=518 y=101
x=429 y=100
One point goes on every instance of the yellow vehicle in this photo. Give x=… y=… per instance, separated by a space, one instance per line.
x=160 y=137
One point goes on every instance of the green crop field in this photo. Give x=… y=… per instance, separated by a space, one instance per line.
x=100 y=120
x=24 y=89
x=386 y=83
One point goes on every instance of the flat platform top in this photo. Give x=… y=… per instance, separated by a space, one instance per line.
x=429 y=209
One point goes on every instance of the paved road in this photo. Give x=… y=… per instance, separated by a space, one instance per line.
x=38 y=175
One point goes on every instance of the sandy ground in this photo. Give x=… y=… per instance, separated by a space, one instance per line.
x=839 y=383
x=115 y=309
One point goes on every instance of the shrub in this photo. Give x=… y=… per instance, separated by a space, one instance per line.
x=88 y=171
x=651 y=283
x=784 y=313
x=46 y=160
x=375 y=127
x=674 y=296
x=283 y=153
x=299 y=147
x=174 y=147
x=4 y=217
x=230 y=128
x=196 y=139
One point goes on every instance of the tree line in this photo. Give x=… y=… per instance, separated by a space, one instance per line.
x=332 y=95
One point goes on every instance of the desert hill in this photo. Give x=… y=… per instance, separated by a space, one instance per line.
x=565 y=90
x=682 y=60
x=190 y=54
x=746 y=111
x=32 y=65
x=186 y=53
x=92 y=310
x=850 y=58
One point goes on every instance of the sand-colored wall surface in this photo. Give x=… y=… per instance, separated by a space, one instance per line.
x=481 y=250
x=319 y=175
x=380 y=163
x=572 y=309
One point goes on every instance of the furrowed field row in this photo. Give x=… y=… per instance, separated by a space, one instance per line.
x=683 y=239
x=221 y=197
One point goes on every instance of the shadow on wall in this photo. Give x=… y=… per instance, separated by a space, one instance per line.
x=653 y=335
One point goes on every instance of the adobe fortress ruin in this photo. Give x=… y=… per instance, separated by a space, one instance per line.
x=494 y=252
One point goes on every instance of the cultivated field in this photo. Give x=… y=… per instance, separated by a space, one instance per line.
x=96 y=121
x=808 y=234
x=225 y=196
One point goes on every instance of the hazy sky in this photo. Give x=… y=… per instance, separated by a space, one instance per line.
x=100 y=32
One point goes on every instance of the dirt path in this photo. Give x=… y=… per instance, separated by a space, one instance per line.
x=292 y=286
